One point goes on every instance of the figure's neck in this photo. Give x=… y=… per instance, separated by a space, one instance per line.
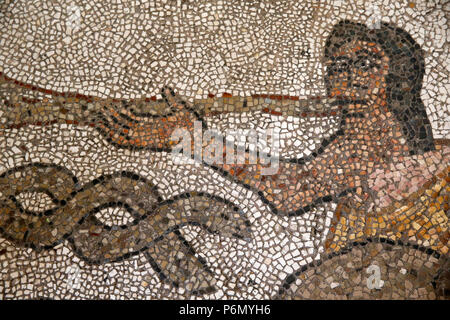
x=376 y=126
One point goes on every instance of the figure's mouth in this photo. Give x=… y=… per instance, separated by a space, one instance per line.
x=349 y=92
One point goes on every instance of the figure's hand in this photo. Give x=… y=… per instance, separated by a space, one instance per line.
x=173 y=101
x=125 y=128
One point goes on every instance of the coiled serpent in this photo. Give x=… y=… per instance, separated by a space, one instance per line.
x=153 y=231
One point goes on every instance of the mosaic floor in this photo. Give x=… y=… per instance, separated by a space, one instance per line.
x=184 y=149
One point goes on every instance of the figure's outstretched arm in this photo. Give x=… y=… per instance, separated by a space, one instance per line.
x=291 y=190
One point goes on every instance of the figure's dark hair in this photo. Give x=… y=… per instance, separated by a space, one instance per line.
x=404 y=79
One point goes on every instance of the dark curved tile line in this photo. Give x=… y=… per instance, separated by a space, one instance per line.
x=293 y=276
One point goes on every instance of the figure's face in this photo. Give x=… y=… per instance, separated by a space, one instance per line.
x=357 y=71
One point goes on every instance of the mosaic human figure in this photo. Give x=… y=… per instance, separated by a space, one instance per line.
x=375 y=77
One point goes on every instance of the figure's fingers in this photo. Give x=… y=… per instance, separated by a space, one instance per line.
x=171 y=98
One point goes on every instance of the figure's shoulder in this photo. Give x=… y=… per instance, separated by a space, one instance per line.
x=420 y=217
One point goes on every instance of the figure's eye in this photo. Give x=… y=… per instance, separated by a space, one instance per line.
x=364 y=63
